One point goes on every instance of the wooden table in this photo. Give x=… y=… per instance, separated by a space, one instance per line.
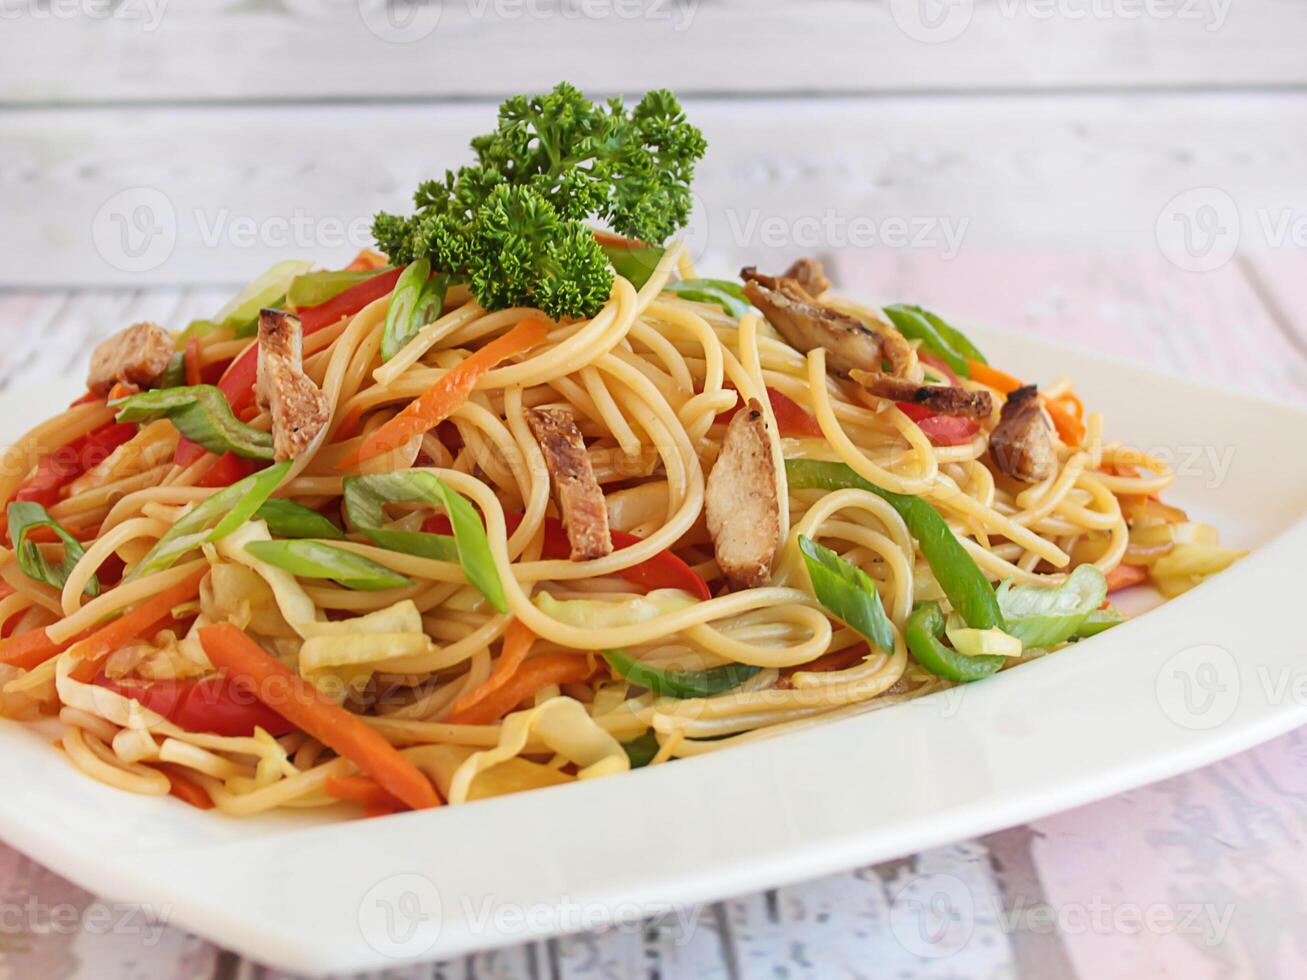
x=1116 y=183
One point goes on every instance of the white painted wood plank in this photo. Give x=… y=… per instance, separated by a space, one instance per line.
x=138 y=197
x=233 y=49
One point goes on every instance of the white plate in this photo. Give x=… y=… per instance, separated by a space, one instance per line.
x=1213 y=672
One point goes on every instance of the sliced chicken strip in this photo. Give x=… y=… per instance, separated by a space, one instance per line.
x=135 y=356
x=577 y=492
x=806 y=324
x=940 y=399
x=1021 y=445
x=741 y=503
x=299 y=408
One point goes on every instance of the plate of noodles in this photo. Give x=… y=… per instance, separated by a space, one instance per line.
x=518 y=578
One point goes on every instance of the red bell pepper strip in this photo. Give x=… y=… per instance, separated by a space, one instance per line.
x=191 y=359
x=67 y=463
x=663 y=571
x=226 y=470
x=1125 y=576
x=238 y=382
x=942 y=430
x=791 y=419
x=216 y=704
x=185 y=789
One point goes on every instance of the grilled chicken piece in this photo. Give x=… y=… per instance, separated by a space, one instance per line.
x=1021 y=445
x=741 y=505
x=579 y=498
x=807 y=324
x=299 y=408
x=135 y=356
x=940 y=399
x=810 y=275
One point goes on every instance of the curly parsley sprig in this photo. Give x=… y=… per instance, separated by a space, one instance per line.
x=512 y=226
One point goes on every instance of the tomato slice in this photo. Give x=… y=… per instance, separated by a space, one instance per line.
x=217 y=704
x=942 y=430
x=791 y=418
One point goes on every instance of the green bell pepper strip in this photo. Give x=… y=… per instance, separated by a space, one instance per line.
x=1099 y=621
x=1045 y=617
x=935 y=335
x=720 y=292
x=417 y=295
x=226 y=510
x=847 y=593
x=365 y=501
x=641 y=750
x=287 y=519
x=679 y=683
x=968 y=591
x=315 y=288
x=174 y=375
x=311 y=559
x=635 y=263
x=24 y=517
x=200 y=413
x=925 y=627
x=241 y=314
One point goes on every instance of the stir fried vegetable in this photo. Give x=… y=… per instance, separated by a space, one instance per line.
x=24 y=518
x=315 y=288
x=925 y=627
x=311 y=559
x=848 y=593
x=212 y=520
x=956 y=571
x=671 y=683
x=287 y=519
x=201 y=414
x=418 y=298
x=366 y=498
x=1045 y=617
x=241 y=314
x=947 y=343
x=719 y=292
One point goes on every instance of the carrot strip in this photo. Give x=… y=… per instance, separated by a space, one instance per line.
x=350 y=424
x=362 y=790
x=191 y=359
x=186 y=789
x=304 y=706
x=1124 y=576
x=993 y=377
x=1069 y=429
x=517 y=644
x=127 y=627
x=366 y=261
x=446 y=395
x=31 y=649
x=533 y=676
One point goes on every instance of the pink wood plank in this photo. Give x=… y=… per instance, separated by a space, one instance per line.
x=1209 y=325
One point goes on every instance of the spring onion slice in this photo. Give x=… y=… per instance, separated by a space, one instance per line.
x=366 y=498
x=312 y=559
x=417 y=299
x=673 y=683
x=1045 y=617
x=241 y=314
x=315 y=288
x=847 y=593
x=26 y=516
x=965 y=585
x=213 y=519
x=287 y=519
x=203 y=415
x=720 y=292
